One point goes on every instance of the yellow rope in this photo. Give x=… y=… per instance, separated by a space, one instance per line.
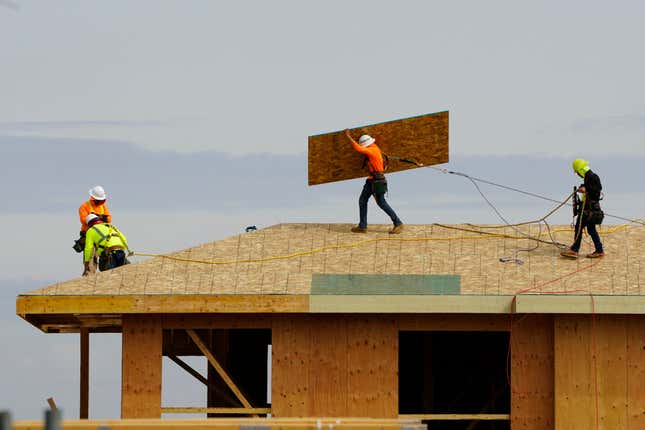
x=361 y=243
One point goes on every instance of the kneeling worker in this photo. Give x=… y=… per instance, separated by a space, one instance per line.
x=110 y=244
x=375 y=183
x=590 y=214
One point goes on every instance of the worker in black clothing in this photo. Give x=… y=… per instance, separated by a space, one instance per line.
x=589 y=213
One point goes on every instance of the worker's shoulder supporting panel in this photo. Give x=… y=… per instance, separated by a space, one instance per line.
x=141 y=366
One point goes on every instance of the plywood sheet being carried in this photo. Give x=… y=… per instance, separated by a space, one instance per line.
x=422 y=139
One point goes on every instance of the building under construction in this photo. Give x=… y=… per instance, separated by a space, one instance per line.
x=426 y=325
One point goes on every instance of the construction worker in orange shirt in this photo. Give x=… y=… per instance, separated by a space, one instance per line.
x=376 y=184
x=95 y=205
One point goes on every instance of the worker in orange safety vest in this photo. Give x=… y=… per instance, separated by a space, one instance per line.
x=95 y=205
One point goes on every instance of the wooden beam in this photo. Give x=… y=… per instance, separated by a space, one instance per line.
x=222 y=373
x=84 y=373
x=141 y=367
x=52 y=404
x=461 y=304
x=239 y=423
x=579 y=304
x=158 y=304
x=457 y=417
x=195 y=374
x=222 y=411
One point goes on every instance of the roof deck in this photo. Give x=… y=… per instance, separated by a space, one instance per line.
x=321 y=268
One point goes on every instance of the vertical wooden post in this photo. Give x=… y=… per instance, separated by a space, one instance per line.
x=85 y=374
x=141 y=367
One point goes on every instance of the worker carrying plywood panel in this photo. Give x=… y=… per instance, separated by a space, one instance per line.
x=375 y=184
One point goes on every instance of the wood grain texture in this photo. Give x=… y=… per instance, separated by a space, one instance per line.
x=335 y=366
x=574 y=380
x=611 y=338
x=372 y=360
x=280 y=284
x=635 y=373
x=141 y=367
x=422 y=138
x=290 y=386
x=532 y=371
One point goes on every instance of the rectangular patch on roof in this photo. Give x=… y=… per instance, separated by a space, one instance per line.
x=387 y=284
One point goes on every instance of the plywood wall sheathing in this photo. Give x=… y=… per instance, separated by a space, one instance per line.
x=422 y=138
x=532 y=371
x=335 y=366
x=141 y=367
x=614 y=381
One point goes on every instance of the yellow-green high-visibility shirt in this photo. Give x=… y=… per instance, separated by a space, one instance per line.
x=102 y=236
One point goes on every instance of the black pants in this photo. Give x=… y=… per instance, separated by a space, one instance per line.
x=591 y=229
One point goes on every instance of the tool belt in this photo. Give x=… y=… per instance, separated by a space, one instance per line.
x=593 y=214
x=105 y=260
x=379 y=183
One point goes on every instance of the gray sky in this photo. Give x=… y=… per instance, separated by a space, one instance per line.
x=194 y=115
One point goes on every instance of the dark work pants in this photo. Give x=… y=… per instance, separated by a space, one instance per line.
x=380 y=201
x=112 y=259
x=591 y=229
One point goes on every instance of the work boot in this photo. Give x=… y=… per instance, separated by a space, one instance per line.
x=359 y=229
x=569 y=253
x=595 y=254
x=397 y=229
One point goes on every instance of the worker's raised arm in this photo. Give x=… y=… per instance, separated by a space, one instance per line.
x=356 y=146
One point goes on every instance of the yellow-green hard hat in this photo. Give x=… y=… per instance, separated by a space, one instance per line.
x=580 y=166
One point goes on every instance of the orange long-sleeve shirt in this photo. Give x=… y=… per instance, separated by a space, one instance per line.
x=87 y=208
x=374 y=157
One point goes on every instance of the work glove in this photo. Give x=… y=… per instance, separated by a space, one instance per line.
x=103 y=218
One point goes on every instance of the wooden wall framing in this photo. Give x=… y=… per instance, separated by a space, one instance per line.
x=347 y=365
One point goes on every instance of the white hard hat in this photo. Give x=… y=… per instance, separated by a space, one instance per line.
x=366 y=140
x=97 y=193
x=90 y=218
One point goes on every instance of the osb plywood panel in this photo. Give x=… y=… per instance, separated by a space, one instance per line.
x=532 y=373
x=574 y=383
x=281 y=260
x=372 y=358
x=617 y=342
x=423 y=139
x=635 y=373
x=141 y=367
x=335 y=366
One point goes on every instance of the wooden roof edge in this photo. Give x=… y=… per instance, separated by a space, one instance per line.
x=159 y=304
x=284 y=304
